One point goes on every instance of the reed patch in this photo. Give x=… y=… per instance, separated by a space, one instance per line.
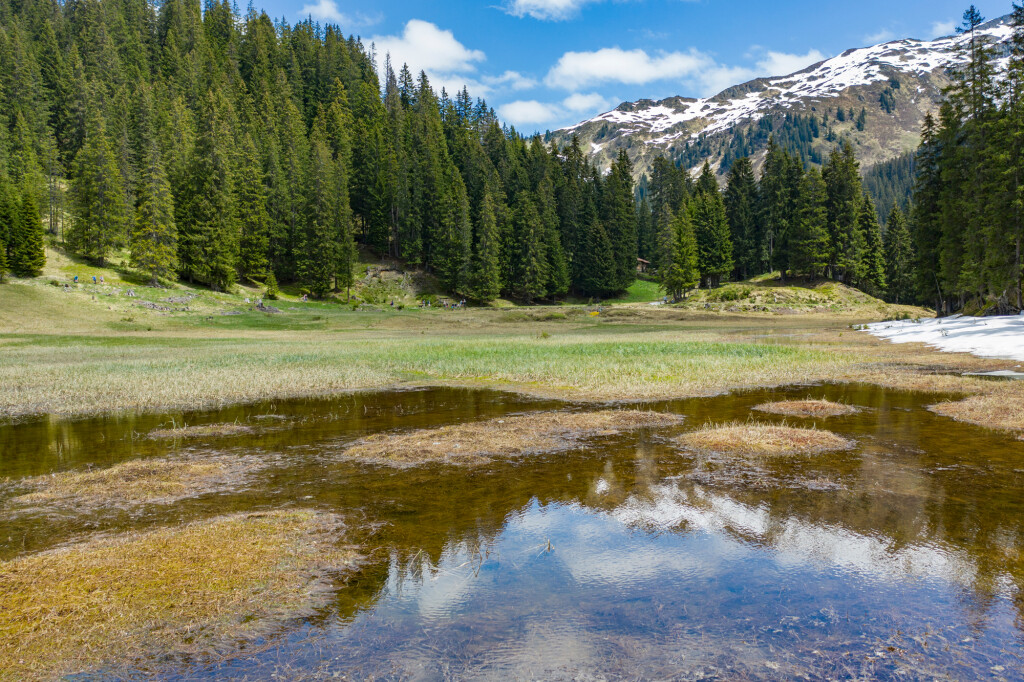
x=196 y=590
x=763 y=440
x=515 y=435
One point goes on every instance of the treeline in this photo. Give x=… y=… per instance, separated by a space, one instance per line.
x=807 y=224
x=969 y=198
x=216 y=147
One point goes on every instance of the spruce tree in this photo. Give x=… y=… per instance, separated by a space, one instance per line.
x=253 y=218
x=846 y=239
x=713 y=242
x=899 y=258
x=619 y=217
x=207 y=223
x=485 y=271
x=29 y=255
x=873 y=260
x=154 y=239
x=320 y=240
x=98 y=198
x=808 y=243
x=741 y=203
x=681 y=273
x=529 y=265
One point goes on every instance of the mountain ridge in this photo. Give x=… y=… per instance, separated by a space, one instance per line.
x=895 y=83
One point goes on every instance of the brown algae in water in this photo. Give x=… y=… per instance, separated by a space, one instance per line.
x=475 y=443
x=136 y=482
x=807 y=408
x=764 y=440
x=197 y=589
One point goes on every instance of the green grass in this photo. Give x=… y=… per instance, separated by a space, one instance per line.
x=641 y=291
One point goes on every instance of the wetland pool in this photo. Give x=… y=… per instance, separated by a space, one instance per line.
x=625 y=557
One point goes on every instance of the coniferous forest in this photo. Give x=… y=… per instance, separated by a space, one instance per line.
x=219 y=148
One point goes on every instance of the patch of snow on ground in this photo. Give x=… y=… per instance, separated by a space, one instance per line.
x=987 y=337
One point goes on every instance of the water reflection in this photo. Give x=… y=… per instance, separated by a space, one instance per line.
x=626 y=558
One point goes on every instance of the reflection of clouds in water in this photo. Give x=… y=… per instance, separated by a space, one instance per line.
x=627 y=547
x=794 y=541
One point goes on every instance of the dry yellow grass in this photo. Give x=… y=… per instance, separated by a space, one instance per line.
x=1001 y=407
x=475 y=443
x=763 y=440
x=203 y=431
x=145 y=481
x=807 y=408
x=198 y=589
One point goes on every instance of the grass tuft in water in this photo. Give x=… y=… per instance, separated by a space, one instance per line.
x=202 y=431
x=808 y=408
x=135 y=482
x=517 y=435
x=763 y=440
x=199 y=589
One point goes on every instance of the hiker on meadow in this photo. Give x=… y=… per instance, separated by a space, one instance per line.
x=94 y=279
x=76 y=279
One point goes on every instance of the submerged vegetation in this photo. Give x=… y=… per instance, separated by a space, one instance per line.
x=475 y=443
x=202 y=431
x=763 y=440
x=202 y=588
x=136 y=482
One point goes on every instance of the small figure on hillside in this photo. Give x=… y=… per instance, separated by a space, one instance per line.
x=94 y=279
x=76 y=279
x=305 y=298
x=101 y=279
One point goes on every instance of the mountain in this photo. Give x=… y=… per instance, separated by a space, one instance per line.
x=888 y=89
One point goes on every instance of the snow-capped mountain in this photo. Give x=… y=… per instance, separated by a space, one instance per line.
x=895 y=84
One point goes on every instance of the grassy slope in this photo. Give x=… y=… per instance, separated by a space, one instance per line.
x=94 y=349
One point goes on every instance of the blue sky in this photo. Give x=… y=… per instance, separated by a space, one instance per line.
x=544 y=64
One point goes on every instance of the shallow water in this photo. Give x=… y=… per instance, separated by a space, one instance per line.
x=624 y=559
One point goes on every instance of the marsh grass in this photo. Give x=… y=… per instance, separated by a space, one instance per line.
x=809 y=408
x=475 y=443
x=762 y=440
x=198 y=589
x=138 y=482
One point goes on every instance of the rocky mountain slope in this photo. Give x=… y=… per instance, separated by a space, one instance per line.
x=894 y=84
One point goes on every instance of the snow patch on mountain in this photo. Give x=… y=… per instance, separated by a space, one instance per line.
x=671 y=119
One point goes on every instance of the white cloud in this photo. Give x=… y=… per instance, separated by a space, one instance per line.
x=783 y=64
x=510 y=80
x=530 y=113
x=713 y=80
x=943 y=28
x=585 y=102
x=534 y=114
x=576 y=70
x=425 y=47
x=549 y=10
x=882 y=36
x=327 y=10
